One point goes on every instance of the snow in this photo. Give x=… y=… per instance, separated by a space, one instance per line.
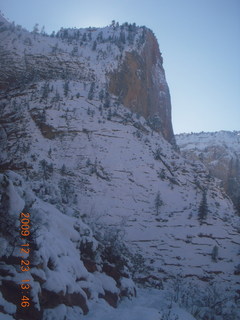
x=18 y=203
x=200 y=141
x=3 y=19
x=8 y=307
x=111 y=181
x=108 y=283
x=127 y=283
x=150 y=304
x=62 y=312
x=4 y=316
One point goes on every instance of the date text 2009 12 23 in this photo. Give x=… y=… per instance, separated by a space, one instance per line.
x=25 y=263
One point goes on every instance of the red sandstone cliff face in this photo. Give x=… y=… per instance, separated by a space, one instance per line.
x=141 y=86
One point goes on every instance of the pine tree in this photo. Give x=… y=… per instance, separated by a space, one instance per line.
x=100 y=37
x=89 y=36
x=36 y=28
x=66 y=88
x=101 y=95
x=94 y=46
x=50 y=152
x=106 y=100
x=74 y=51
x=113 y=23
x=55 y=48
x=43 y=33
x=91 y=91
x=122 y=37
x=56 y=98
x=158 y=202
x=42 y=116
x=215 y=254
x=203 y=207
x=45 y=90
x=66 y=190
x=47 y=169
x=63 y=170
x=109 y=115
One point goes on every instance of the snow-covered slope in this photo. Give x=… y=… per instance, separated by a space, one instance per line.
x=68 y=266
x=220 y=152
x=122 y=60
x=69 y=133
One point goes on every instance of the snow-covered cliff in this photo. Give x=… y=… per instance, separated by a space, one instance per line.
x=220 y=152
x=85 y=149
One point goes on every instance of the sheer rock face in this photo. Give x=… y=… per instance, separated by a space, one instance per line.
x=141 y=86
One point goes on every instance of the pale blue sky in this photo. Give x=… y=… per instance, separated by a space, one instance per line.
x=199 y=39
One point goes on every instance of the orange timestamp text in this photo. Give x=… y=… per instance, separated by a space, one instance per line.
x=25 y=232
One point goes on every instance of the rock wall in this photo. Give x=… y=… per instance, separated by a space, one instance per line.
x=141 y=86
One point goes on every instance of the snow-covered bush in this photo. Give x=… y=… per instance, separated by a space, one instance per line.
x=209 y=301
